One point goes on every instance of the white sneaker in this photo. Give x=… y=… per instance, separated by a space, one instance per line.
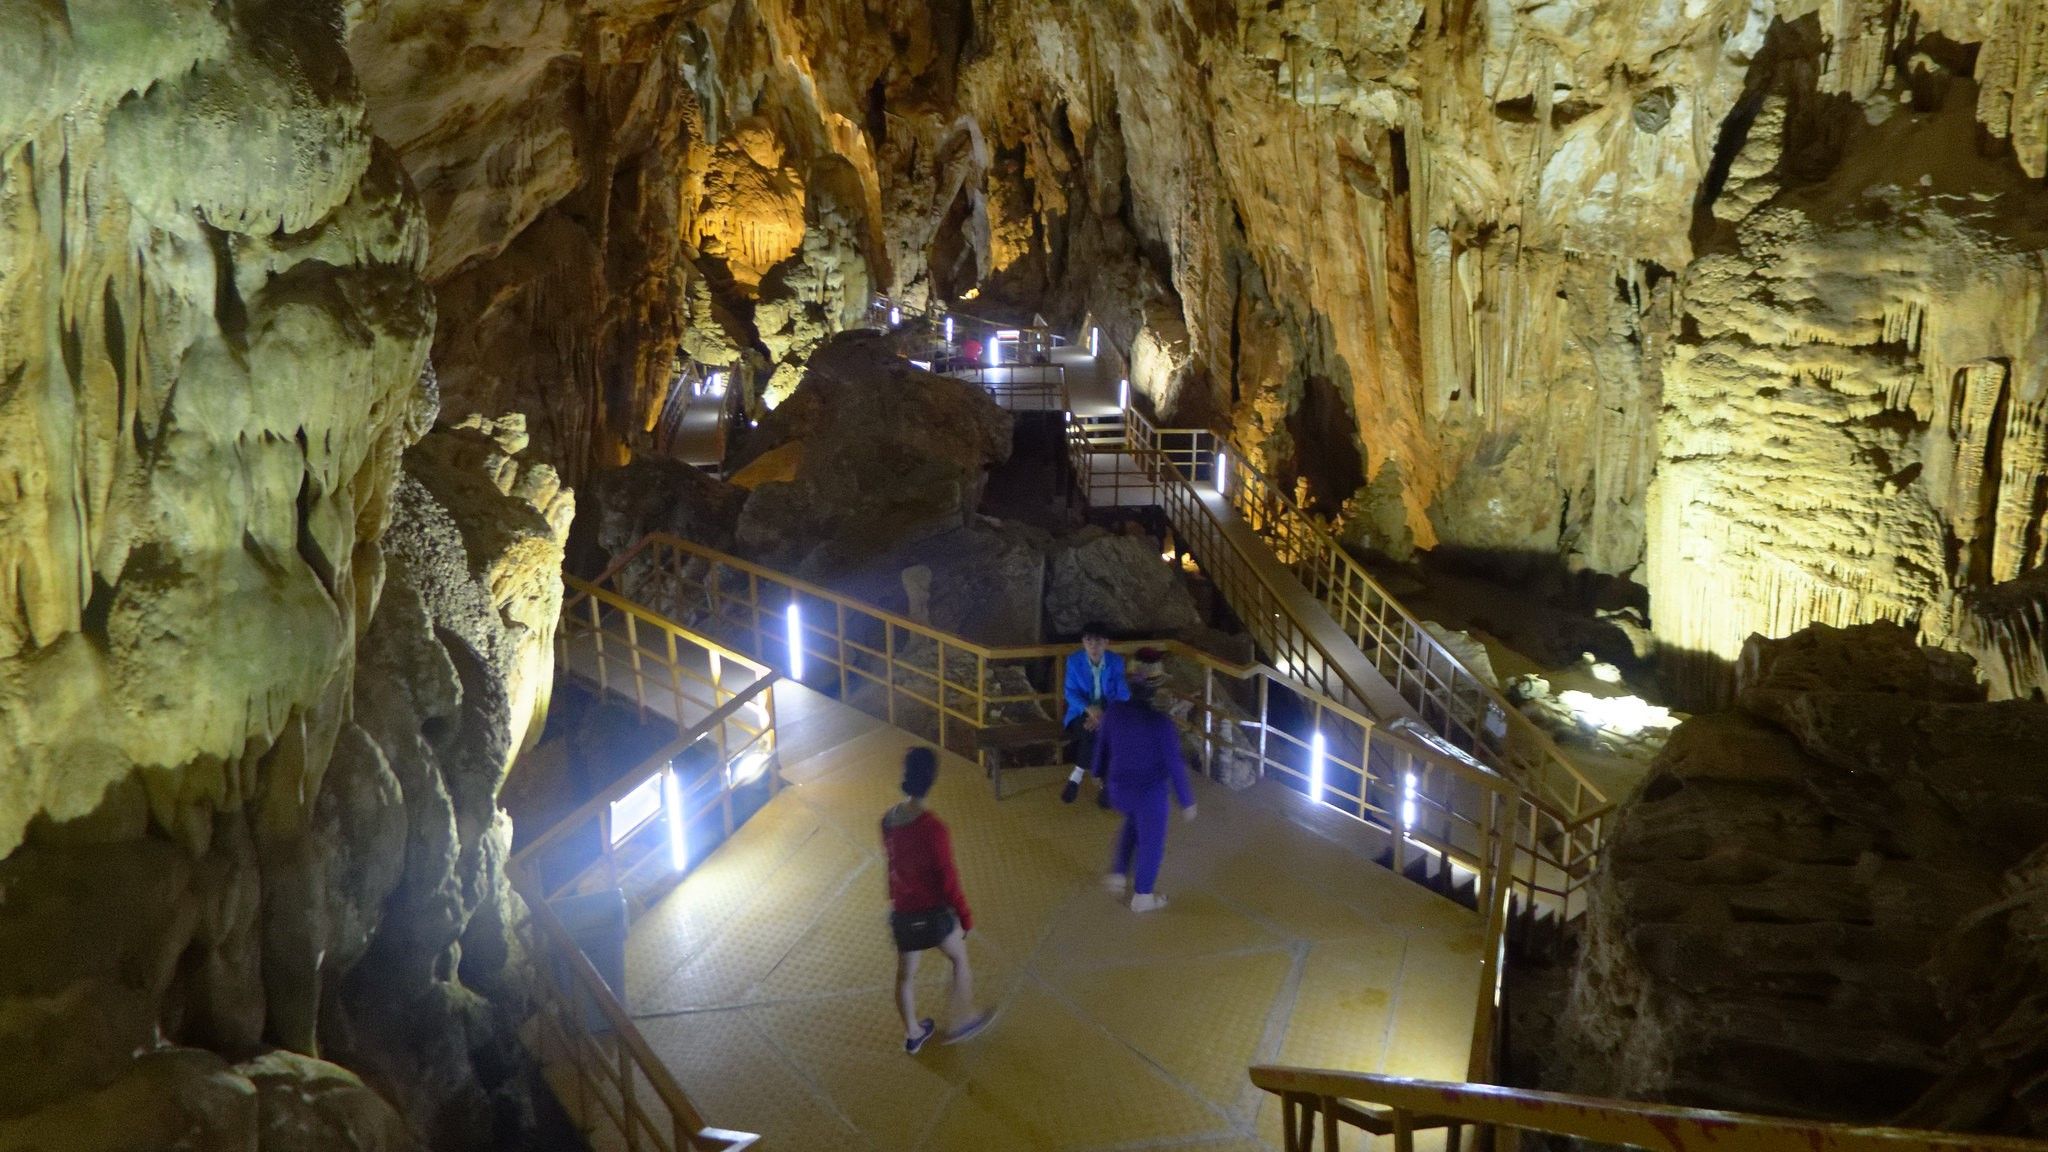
x=1147 y=902
x=1114 y=882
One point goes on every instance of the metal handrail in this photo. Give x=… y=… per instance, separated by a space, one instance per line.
x=1569 y=800
x=1463 y=814
x=1361 y=607
x=1405 y=1106
x=612 y=1064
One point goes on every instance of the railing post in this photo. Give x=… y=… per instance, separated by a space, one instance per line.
x=940 y=696
x=1209 y=720
x=597 y=645
x=1265 y=718
x=889 y=668
x=629 y=1106
x=639 y=681
x=839 y=645
x=675 y=676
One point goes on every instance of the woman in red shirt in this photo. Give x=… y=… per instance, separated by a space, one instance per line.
x=930 y=911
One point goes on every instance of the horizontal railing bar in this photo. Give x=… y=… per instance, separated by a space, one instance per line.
x=1653 y=1126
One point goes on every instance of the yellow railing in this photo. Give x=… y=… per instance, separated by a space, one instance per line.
x=722 y=706
x=1160 y=467
x=1313 y=1099
x=1468 y=821
x=1452 y=700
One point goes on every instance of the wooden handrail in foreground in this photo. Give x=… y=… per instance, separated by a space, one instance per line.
x=1408 y=1105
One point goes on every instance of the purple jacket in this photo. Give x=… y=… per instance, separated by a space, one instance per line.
x=1140 y=747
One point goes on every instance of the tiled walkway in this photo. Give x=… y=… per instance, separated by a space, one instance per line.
x=765 y=979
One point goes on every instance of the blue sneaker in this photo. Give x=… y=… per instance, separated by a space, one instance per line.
x=972 y=1028
x=915 y=1044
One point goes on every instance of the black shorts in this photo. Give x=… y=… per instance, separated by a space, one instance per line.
x=918 y=931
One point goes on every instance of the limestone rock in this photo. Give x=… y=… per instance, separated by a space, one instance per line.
x=653 y=494
x=1774 y=900
x=1120 y=582
x=867 y=456
x=191 y=1099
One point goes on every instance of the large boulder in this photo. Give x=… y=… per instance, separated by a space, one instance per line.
x=657 y=494
x=869 y=454
x=1769 y=928
x=1120 y=582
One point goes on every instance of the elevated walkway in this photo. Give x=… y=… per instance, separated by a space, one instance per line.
x=764 y=979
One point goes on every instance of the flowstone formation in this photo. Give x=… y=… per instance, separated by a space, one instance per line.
x=233 y=846
x=1824 y=901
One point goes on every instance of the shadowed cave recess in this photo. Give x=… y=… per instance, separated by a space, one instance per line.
x=1682 y=367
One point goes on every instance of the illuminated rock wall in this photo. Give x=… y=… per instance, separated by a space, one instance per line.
x=216 y=515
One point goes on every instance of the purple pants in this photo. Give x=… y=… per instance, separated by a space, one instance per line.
x=1143 y=838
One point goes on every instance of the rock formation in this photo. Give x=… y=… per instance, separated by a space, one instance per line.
x=1631 y=288
x=1817 y=903
x=256 y=686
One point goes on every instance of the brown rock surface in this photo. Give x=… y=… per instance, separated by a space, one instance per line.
x=1781 y=918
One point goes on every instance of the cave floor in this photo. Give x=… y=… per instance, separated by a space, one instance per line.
x=765 y=979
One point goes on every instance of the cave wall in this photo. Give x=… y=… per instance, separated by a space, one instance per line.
x=1650 y=290
x=267 y=644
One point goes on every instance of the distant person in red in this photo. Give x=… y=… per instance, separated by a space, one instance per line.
x=970 y=350
x=929 y=910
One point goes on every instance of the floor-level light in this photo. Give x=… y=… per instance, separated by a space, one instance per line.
x=796 y=641
x=748 y=768
x=995 y=352
x=631 y=812
x=895 y=317
x=1093 y=333
x=1123 y=395
x=1222 y=469
x=678 y=830
x=1408 y=790
x=1317 y=752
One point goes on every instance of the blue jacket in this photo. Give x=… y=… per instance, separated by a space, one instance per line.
x=1140 y=749
x=1081 y=683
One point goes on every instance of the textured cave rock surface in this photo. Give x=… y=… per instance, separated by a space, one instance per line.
x=1825 y=901
x=1116 y=580
x=868 y=478
x=371 y=930
x=1474 y=276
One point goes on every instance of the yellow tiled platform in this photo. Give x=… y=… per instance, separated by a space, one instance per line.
x=764 y=979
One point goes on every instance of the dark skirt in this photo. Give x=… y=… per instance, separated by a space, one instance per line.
x=918 y=931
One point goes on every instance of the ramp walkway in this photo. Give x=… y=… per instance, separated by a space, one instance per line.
x=758 y=973
x=764 y=981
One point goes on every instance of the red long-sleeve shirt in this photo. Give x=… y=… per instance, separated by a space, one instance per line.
x=921 y=872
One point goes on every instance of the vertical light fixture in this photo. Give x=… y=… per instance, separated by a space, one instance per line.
x=1408 y=788
x=1123 y=395
x=949 y=329
x=796 y=640
x=1093 y=334
x=678 y=832
x=1317 y=752
x=995 y=352
x=1222 y=470
x=895 y=317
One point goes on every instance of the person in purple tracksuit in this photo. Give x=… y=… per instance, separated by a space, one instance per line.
x=1137 y=752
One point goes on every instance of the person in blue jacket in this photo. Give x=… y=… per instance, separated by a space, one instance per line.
x=1138 y=753
x=1095 y=679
